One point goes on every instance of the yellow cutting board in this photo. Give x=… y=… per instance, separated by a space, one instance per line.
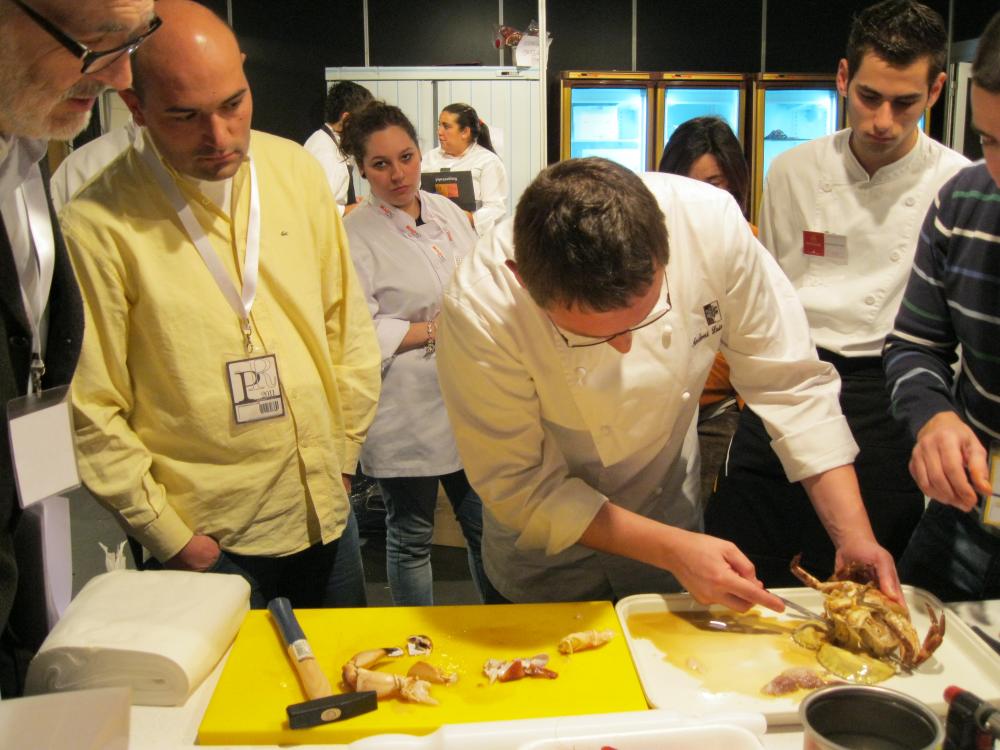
x=258 y=681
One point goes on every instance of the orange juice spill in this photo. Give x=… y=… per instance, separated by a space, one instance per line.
x=752 y=650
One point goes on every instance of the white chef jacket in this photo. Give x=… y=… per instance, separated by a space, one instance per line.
x=84 y=163
x=820 y=186
x=403 y=269
x=489 y=180
x=334 y=163
x=548 y=434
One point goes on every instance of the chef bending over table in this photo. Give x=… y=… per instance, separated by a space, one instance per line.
x=573 y=345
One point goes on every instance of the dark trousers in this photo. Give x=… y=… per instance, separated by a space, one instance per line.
x=953 y=556
x=302 y=577
x=771 y=520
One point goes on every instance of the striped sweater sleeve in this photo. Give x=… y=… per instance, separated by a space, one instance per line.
x=921 y=349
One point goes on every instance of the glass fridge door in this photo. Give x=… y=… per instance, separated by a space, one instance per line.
x=793 y=116
x=610 y=122
x=685 y=103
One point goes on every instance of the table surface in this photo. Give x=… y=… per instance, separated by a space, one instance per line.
x=153 y=728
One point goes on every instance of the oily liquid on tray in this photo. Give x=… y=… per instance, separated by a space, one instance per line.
x=751 y=651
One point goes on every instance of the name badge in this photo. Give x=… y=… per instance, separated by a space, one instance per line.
x=255 y=388
x=41 y=445
x=991 y=508
x=825 y=245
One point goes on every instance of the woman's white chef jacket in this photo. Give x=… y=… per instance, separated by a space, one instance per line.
x=548 y=434
x=403 y=269
x=820 y=186
x=489 y=180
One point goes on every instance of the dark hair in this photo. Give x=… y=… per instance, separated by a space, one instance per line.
x=986 y=66
x=466 y=117
x=708 y=135
x=900 y=32
x=588 y=231
x=345 y=96
x=368 y=120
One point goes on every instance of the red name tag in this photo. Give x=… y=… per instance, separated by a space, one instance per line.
x=813 y=243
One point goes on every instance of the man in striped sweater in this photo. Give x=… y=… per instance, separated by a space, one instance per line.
x=951 y=305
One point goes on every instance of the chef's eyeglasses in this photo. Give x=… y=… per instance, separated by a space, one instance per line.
x=581 y=341
x=91 y=61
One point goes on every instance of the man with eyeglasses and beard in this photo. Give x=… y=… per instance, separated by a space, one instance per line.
x=56 y=57
x=573 y=345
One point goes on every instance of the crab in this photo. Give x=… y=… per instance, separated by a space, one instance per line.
x=860 y=618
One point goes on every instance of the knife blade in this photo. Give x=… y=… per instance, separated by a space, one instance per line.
x=795 y=607
x=992 y=642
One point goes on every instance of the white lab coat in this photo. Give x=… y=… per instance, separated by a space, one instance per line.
x=548 y=434
x=489 y=180
x=86 y=162
x=335 y=164
x=403 y=269
x=820 y=186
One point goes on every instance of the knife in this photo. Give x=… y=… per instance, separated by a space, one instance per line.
x=807 y=613
x=992 y=642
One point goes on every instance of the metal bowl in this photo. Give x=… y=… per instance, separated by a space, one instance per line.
x=865 y=717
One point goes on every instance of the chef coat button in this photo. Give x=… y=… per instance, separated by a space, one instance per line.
x=686 y=396
x=894 y=255
x=581 y=372
x=825 y=187
x=870 y=299
x=910 y=201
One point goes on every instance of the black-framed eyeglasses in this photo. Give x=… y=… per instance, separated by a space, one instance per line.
x=653 y=316
x=91 y=60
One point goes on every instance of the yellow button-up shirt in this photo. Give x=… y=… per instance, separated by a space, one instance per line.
x=157 y=440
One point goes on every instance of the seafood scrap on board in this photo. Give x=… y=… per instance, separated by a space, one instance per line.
x=584 y=640
x=499 y=670
x=414 y=686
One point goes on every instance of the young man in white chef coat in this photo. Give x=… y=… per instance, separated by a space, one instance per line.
x=343 y=98
x=842 y=216
x=229 y=368
x=573 y=345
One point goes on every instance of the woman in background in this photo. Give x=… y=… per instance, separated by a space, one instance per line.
x=706 y=149
x=406 y=243
x=465 y=144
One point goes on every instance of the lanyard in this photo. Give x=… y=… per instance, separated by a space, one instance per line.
x=241 y=303
x=44 y=252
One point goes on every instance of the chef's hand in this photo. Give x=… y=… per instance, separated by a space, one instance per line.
x=863 y=548
x=714 y=571
x=198 y=555
x=949 y=463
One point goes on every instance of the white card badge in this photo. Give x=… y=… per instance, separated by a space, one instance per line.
x=255 y=388
x=40 y=427
x=825 y=245
x=991 y=508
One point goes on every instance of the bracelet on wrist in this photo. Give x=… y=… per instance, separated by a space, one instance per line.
x=431 y=344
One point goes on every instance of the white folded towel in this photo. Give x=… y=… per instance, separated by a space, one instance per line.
x=158 y=632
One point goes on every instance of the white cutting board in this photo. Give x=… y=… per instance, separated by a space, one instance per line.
x=963 y=659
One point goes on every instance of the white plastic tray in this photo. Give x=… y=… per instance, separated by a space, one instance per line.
x=963 y=659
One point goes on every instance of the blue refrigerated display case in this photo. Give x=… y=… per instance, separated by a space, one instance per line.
x=789 y=109
x=683 y=104
x=610 y=121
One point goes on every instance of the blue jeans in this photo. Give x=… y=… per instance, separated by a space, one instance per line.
x=409 y=522
x=951 y=555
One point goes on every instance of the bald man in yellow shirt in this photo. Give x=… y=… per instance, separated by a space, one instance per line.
x=229 y=369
